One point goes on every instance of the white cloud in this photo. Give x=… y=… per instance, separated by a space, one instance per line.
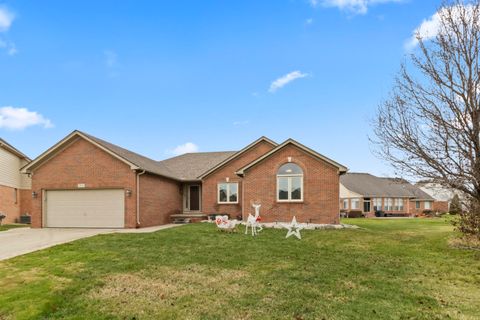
x=286 y=79
x=20 y=118
x=240 y=123
x=6 y=19
x=352 y=6
x=188 y=147
x=309 y=21
x=429 y=28
x=110 y=58
x=9 y=47
x=111 y=62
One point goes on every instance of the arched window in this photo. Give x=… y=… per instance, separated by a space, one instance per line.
x=290 y=183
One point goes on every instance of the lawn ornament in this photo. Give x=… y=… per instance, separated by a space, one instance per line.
x=294 y=228
x=254 y=221
x=224 y=224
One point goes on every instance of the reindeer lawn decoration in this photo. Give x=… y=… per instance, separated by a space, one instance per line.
x=254 y=221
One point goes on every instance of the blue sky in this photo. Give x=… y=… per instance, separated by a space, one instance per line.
x=154 y=75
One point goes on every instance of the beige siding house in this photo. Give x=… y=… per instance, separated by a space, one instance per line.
x=14 y=186
x=363 y=194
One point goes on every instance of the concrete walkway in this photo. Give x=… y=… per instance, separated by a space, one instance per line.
x=19 y=241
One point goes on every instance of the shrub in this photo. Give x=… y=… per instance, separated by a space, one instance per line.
x=355 y=214
x=455 y=205
x=468 y=221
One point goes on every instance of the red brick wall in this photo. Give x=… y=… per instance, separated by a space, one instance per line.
x=82 y=162
x=210 y=183
x=321 y=189
x=440 y=206
x=437 y=206
x=159 y=198
x=25 y=201
x=414 y=210
x=8 y=206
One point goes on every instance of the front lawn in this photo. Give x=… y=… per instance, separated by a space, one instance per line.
x=6 y=227
x=389 y=269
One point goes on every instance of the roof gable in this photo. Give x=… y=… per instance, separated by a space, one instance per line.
x=132 y=159
x=341 y=168
x=236 y=155
x=5 y=145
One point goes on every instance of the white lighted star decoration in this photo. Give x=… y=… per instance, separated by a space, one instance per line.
x=294 y=228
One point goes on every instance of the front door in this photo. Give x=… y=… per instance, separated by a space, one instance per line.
x=194 y=198
x=366 y=205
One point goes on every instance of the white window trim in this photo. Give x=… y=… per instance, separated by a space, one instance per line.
x=228 y=193
x=429 y=205
x=289 y=186
x=388 y=204
x=357 y=204
x=345 y=203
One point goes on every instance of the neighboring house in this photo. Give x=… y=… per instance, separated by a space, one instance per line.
x=442 y=193
x=367 y=194
x=83 y=181
x=15 y=193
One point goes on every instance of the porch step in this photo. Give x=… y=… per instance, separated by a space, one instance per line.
x=182 y=218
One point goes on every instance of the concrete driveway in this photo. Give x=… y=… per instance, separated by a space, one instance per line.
x=19 y=241
x=16 y=242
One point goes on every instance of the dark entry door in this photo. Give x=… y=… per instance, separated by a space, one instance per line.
x=194 y=198
x=366 y=205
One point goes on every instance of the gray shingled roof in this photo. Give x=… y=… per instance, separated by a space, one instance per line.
x=371 y=186
x=144 y=163
x=413 y=189
x=191 y=165
x=184 y=167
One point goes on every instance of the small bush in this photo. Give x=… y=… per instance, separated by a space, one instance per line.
x=428 y=212
x=455 y=205
x=468 y=222
x=355 y=214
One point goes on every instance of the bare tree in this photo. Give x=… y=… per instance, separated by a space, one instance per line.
x=429 y=128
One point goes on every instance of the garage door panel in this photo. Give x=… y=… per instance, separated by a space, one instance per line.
x=85 y=208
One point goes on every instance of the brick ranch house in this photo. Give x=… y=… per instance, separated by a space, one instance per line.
x=14 y=187
x=365 y=194
x=83 y=181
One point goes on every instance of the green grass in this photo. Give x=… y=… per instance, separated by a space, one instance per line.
x=6 y=227
x=388 y=269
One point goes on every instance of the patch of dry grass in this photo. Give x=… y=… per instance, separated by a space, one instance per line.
x=469 y=243
x=193 y=291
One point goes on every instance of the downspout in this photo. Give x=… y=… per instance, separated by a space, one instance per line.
x=138 y=197
x=243 y=197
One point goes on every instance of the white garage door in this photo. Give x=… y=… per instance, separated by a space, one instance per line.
x=85 y=208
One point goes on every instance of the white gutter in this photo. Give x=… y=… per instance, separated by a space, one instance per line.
x=243 y=198
x=138 y=196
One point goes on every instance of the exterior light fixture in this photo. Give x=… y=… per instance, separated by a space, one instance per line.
x=128 y=192
x=34 y=195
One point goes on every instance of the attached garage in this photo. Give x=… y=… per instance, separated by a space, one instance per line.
x=86 y=182
x=84 y=208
